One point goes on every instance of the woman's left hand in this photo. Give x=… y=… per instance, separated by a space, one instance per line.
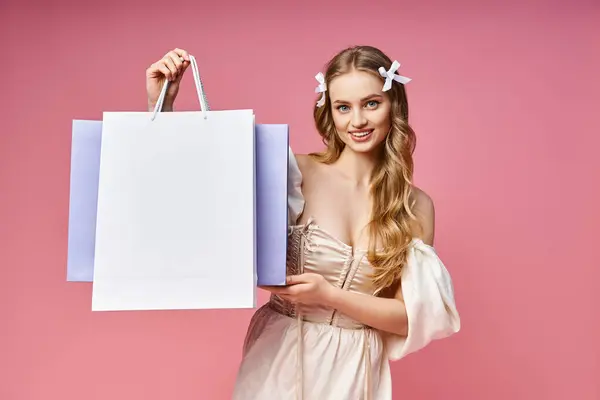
x=308 y=289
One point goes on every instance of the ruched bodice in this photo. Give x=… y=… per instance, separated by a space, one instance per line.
x=313 y=249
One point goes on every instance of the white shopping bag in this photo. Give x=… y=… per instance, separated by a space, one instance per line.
x=176 y=207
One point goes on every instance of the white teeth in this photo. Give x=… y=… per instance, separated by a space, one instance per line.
x=361 y=134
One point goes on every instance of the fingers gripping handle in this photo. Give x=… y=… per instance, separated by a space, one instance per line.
x=199 y=89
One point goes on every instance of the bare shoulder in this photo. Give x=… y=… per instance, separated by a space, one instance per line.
x=305 y=163
x=424 y=210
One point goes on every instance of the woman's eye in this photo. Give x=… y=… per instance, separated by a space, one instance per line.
x=343 y=108
x=373 y=103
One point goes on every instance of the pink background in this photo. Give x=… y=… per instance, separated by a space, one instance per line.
x=504 y=100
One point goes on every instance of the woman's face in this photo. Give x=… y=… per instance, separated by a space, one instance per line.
x=360 y=109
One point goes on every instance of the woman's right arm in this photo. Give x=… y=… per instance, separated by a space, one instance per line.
x=172 y=67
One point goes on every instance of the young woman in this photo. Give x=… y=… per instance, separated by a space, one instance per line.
x=365 y=285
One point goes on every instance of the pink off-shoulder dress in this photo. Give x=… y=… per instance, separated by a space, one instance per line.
x=326 y=355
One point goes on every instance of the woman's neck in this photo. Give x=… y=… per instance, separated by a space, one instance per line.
x=357 y=167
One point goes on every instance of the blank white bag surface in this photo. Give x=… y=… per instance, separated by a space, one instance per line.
x=176 y=206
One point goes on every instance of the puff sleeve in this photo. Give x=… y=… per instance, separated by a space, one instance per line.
x=429 y=299
x=295 y=197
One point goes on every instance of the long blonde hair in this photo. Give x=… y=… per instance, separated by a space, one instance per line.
x=391 y=181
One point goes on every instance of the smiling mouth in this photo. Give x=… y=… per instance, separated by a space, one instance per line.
x=361 y=133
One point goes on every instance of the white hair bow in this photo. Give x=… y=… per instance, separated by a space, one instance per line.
x=389 y=76
x=322 y=88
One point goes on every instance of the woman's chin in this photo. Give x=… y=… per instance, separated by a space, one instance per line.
x=363 y=146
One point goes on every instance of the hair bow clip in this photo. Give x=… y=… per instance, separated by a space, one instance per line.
x=321 y=88
x=390 y=76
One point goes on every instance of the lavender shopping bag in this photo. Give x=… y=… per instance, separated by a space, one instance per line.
x=272 y=146
x=272 y=154
x=85 y=167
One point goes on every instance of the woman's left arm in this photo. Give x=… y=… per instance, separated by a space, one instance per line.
x=385 y=314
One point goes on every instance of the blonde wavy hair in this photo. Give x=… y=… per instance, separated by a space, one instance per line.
x=391 y=181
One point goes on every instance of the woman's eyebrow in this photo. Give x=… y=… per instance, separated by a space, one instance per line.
x=371 y=96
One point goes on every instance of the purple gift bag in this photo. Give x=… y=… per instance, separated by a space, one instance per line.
x=272 y=147
x=272 y=152
x=85 y=167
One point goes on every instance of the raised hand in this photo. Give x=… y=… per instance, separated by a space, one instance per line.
x=171 y=67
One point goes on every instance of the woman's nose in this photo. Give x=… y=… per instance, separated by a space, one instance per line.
x=358 y=119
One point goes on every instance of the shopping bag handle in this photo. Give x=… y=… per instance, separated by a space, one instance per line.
x=199 y=89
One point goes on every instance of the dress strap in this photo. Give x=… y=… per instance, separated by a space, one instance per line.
x=300 y=318
x=367 y=358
